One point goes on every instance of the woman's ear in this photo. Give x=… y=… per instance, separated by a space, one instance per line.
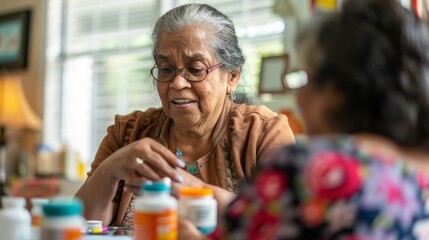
x=233 y=79
x=333 y=104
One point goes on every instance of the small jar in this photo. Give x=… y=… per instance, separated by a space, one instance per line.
x=199 y=206
x=62 y=220
x=155 y=213
x=15 y=219
x=37 y=215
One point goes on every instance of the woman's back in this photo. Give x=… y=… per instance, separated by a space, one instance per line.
x=333 y=188
x=364 y=172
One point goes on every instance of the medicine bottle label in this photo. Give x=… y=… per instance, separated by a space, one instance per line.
x=61 y=234
x=155 y=226
x=36 y=221
x=202 y=215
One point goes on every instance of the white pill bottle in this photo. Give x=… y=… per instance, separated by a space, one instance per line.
x=155 y=213
x=199 y=206
x=62 y=220
x=15 y=219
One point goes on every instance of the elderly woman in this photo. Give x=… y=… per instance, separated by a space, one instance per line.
x=363 y=173
x=199 y=136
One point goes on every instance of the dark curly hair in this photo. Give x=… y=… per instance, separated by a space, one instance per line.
x=376 y=53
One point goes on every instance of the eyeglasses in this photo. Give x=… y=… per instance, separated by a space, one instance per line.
x=193 y=74
x=295 y=79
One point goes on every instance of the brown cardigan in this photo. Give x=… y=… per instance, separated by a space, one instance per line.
x=243 y=136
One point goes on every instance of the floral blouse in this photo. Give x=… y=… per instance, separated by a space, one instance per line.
x=330 y=189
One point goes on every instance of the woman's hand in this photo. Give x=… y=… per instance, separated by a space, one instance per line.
x=189 y=180
x=143 y=160
x=187 y=230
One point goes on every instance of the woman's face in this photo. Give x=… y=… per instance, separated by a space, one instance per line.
x=315 y=104
x=195 y=105
x=309 y=102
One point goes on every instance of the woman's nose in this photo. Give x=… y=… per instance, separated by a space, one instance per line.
x=179 y=81
x=182 y=72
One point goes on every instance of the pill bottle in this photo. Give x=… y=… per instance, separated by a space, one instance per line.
x=155 y=213
x=199 y=206
x=62 y=220
x=36 y=215
x=15 y=219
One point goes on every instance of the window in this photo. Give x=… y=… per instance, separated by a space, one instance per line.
x=98 y=60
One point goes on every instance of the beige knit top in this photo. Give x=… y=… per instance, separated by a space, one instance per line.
x=243 y=136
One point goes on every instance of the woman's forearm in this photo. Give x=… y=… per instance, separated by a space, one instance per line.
x=97 y=193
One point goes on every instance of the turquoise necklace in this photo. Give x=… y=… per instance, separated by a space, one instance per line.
x=191 y=167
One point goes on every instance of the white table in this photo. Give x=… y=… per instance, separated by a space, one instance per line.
x=102 y=237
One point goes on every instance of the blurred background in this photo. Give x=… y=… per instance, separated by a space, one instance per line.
x=88 y=60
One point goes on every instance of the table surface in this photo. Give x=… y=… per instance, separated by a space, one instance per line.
x=96 y=237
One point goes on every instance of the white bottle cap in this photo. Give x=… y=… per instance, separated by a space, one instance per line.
x=167 y=181
x=39 y=201
x=94 y=226
x=13 y=202
x=94 y=223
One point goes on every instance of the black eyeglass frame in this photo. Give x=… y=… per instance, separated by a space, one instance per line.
x=184 y=73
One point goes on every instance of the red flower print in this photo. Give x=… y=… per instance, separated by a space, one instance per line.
x=263 y=226
x=270 y=185
x=332 y=175
x=313 y=212
x=354 y=237
x=423 y=179
x=238 y=207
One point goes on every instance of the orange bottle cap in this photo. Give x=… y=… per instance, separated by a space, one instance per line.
x=195 y=192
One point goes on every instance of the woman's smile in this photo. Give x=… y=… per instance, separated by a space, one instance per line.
x=182 y=103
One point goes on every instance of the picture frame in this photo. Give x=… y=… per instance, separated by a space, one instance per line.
x=273 y=70
x=14 y=39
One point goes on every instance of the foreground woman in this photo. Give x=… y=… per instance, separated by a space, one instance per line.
x=199 y=128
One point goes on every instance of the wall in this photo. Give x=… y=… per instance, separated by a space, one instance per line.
x=21 y=143
x=32 y=76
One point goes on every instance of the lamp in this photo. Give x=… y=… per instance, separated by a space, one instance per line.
x=15 y=112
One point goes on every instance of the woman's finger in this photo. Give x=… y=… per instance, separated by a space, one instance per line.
x=158 y=164
x=171 y=157
x=175 y=188
x=144 y=170
x=148 y=145
x=133 y=189
x=160 y=159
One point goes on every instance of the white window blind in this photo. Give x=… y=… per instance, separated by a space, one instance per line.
x=98 y=60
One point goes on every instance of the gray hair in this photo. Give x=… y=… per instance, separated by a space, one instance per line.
x=223 y=40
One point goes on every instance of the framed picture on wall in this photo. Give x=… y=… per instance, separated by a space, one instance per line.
x=14 y=37
x=273 y=70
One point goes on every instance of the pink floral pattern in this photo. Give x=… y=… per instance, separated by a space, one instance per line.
x=330 y=189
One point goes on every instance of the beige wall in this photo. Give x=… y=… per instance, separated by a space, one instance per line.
x=21 y=143
x=32 y=76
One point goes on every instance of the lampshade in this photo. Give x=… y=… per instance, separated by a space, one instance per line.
x=14 y=109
